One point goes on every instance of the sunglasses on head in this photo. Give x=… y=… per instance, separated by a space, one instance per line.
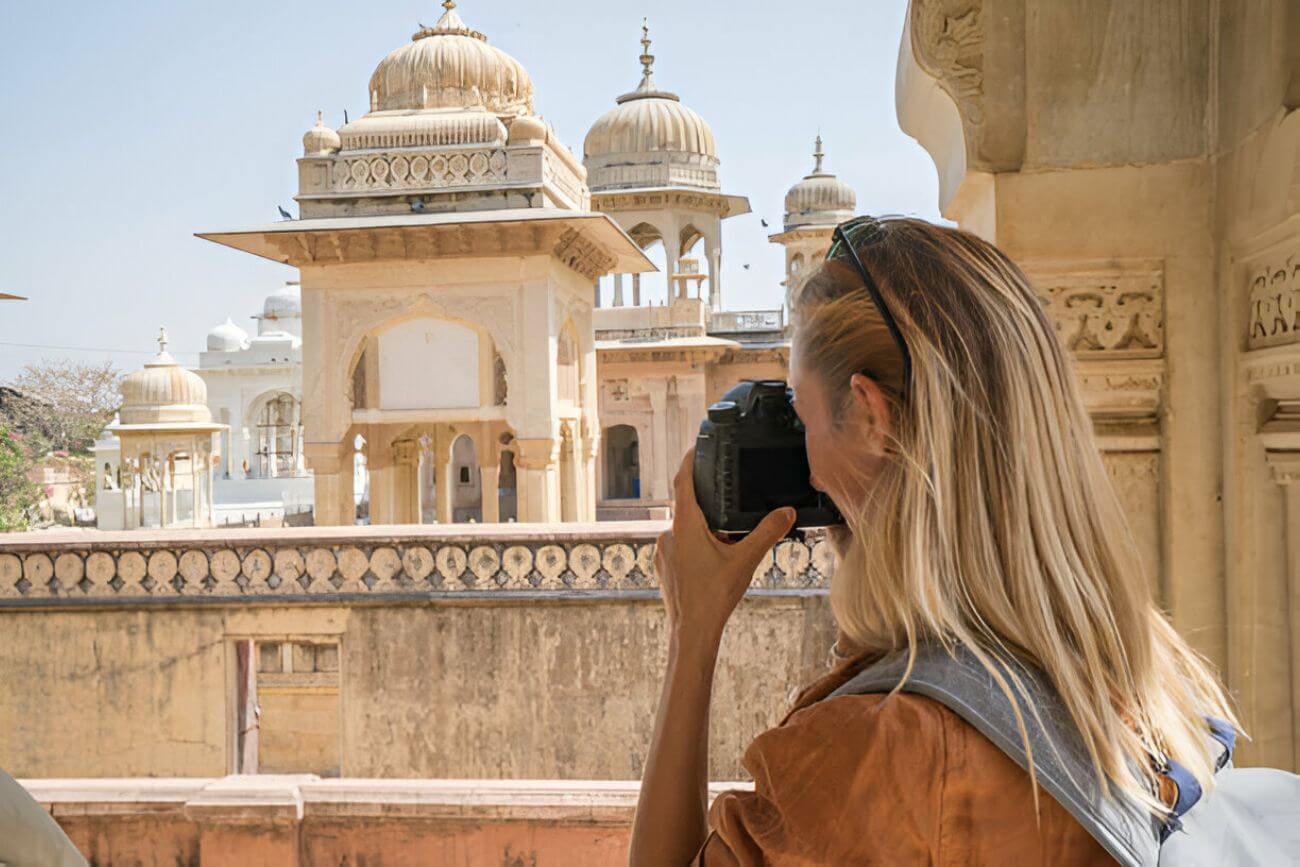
x=861 y=232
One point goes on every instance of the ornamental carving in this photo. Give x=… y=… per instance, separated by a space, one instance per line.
x=369 y=569
x=1112 y=314
x=583 y=256
x=404 y=170
x=1275 y=304
x=948 y=43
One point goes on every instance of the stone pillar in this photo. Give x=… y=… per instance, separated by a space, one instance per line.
x=442 y=469
x=569 y=505
x=595 y=294
x=636 y=290
x=195 y=507
x=332 y=484
x=590 y=446
x=1286 y=472
x=212 y=506
x=535 y=471
x=659 y=469
x=405 y=478
x=489 y=480
x=618 y=290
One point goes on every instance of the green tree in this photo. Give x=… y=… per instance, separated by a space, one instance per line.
x=18 y=496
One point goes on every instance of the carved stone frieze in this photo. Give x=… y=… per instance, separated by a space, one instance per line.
x=613 y=200
x=361 y=568
x=1107 y=313
x=582 y=255
x=1275 y=303
x=406 y=170
x=948 y=43
x=411 y=243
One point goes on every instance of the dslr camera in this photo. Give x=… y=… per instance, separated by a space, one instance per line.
x=750 y=458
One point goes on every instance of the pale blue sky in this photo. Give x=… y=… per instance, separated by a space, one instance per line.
x=126 y=127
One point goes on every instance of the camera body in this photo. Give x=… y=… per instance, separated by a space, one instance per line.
x=750 y=458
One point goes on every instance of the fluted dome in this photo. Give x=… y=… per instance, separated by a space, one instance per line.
x=320 y=139
x=820 y=199
x=450 y=65
x=227 y=337
x=650 y=138
x=163 y=393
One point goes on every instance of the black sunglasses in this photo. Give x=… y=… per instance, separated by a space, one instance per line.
x=863 y=231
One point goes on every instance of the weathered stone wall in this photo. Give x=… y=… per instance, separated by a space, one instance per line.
x=548 y=667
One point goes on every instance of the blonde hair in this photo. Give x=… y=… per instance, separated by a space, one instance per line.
x=993 y=523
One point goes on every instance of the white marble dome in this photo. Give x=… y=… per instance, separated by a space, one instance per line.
x=227 y=337
x=650 y=139
x=450 y=65
x=283 y=303
x=820 y=199
x=320 y=139
x=163 y=393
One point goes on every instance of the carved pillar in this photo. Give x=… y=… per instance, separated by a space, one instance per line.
x=569 y=505
x=636 y=290
x=1286 y=472
x=536 y=479
x=590 y=445
x=618 y=290
x=442 y=474
x=659 y=469
x=404 y=477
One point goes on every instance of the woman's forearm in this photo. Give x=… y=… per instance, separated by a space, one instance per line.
x=671 y=820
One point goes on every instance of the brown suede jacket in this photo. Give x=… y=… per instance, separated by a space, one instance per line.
x=871 y=779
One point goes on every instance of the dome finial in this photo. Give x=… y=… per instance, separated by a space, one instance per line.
x=162 y=340
x=818 y=155
x=647 y=59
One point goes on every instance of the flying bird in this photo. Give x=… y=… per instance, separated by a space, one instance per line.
x=746 y=266
x=283 y=213
x=764 y=222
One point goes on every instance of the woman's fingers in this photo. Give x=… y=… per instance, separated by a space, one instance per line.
x=686 y=508
x=769 y=531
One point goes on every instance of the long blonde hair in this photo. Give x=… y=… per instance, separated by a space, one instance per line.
x=993 y=523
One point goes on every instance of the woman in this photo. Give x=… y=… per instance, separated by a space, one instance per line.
x=943 y=417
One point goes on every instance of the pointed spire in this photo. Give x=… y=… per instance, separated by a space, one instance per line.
x=448 y=5
x=647 y=59
x=818 y=155
x=450 y=24
x=162 y=340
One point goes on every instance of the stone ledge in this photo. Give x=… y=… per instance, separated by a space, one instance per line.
x=272 y=799
x=352 y=564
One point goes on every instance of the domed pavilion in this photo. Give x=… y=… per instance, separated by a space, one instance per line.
x=449 y=258
x=652 y=163
x=813 y=208
x=166 y=452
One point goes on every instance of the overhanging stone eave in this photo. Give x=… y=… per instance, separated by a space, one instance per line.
x=731 y=205
x=596 y=227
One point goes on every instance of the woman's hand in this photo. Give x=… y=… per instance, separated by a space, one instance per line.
x=702 y=577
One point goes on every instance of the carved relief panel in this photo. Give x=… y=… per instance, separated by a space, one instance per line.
x=1275 y=303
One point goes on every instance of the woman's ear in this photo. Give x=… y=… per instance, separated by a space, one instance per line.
x=872 y=408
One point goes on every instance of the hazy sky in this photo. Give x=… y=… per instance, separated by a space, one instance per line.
x=126 y=127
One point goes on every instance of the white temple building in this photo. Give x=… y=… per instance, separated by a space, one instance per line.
x=255 y=387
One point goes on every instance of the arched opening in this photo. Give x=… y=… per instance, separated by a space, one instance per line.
x=360 y=480
x=693 y=266
x=652 y=287
x=507 y=488
x=277 y=437
x=467 y=485
x=622 y=463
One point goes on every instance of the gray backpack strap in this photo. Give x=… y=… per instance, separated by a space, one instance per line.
x=1061 y=762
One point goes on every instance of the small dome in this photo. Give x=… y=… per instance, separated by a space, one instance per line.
x=320 y=139
x=449 y=65
x=820 y=199
x=650 y=138
x=284 y=303
x=164 y=393
x=526 y=128
x=227 y=337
